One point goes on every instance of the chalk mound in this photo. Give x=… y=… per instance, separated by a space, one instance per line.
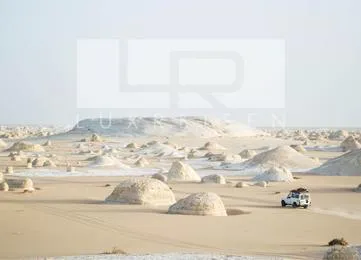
x=144 y=191
x=298 y=147
x=212 y=146
x=106 y=161
x=300 y=135
x=241 y=184
x=42 y=162
x=317 y=137
x=4 y=186
x=348 y=164
x=247 y=154
x=26 y=184
x=141 y=162
x=342 y=253
x=180 y=171
x=282 y=156
x=27 y=147
x=3 y=144
x=350 y=144
x=161 y=150
x=224 y=157
x=195 y=154
x=262 y=184
x=214 y=178
x=204 y=204
x=358 y=189
x=132 y=146
x=160 y=177
x=1 y=177
x=275 y=174
x=153 y=126
x=338 y=135
x=95 y=138
x=47 y=143
x=9 y=170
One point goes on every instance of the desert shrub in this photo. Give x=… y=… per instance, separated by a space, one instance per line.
x=338 y=242
x=115 y=251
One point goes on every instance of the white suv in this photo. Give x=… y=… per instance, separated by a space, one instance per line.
x=297 y=198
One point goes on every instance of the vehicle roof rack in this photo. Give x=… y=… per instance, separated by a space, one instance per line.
x=300 y=190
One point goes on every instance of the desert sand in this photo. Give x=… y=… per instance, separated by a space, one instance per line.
x=67 y=213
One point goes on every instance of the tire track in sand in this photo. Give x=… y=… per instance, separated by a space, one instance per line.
x=121 y=230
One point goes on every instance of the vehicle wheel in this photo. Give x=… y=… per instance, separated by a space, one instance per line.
x=294 y=205
x=283 y=203
x=305 y=207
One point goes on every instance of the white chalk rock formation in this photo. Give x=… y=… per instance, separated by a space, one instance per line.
x=275 y=174
x=241 y=184
x=142 y=191
x=298 y=147
x=212 y=146
x=348 y=164
x=358 y=189
x=132 y=146
x=16 y=158
x=4 y=186
x=155 y=126
x=204 y=204
x=342 y=253
x=43 y=162
x=70 y=168
x=214 y=178
x=2 y=144
x=247 y=154
x=261 y=184
x=27 y=147
x=283 y=156
x=180 y=171
x=224 y=157
x=26 y=184
x=157 y=149
x=1 y=177
x=9 y=170
x=107 y=161
x=350 y=144
x=142 y=162
x=160 y=177
x=47 y=143
x=338 y=135
x=95 y=138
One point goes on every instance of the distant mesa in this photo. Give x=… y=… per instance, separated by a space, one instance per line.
x=152 y=126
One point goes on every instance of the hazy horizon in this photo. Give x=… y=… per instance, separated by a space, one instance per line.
x=38 y=54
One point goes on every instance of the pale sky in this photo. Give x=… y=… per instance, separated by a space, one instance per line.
x=39 y=39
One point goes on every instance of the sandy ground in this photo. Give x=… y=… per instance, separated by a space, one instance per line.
x=67 y=215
